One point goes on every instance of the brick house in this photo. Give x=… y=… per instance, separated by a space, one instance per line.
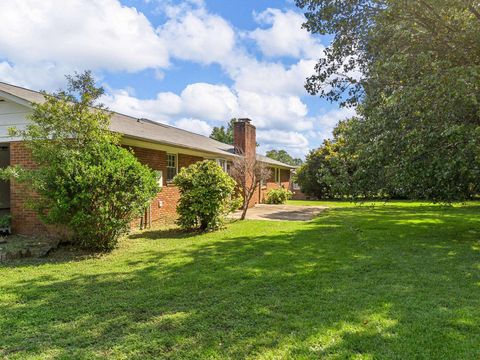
x=162 y=147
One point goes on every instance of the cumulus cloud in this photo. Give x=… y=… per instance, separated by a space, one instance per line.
x=81 y=34
x=326 y=122
x=194 y=125
x=39 y=44
x=217 y=103
x=274 y=111
x=270 y=77
x=44 y=75
x=192 y=33
x=162 y=108
x=285 y=36
x=208 y=101
x=294 y=143
x=332 y=117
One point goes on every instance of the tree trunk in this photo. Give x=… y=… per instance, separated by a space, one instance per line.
x=244 y=210
x=246 y=200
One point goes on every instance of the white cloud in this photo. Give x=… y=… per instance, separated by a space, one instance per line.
x=40 y=44
x=332 y=117
x=194 y=125
x=162 y=108
x=196 y=35
x=217 y=103
x=79 y=34
x=44 y=76
x=285 y=36
x=295 y=143
x=199 y=100
x=210 y=102
x=274 y=78
x=274 y=111
x=326 y=123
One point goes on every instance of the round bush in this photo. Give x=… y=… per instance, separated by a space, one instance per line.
x=206 y=196
x=278 y=196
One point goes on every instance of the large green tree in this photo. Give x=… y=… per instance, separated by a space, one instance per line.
x=223 y=134
x=84 y=180
x=327 y=171
x=413 y=69
x=283 y=156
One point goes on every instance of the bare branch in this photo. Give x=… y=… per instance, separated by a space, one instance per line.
x=248 y=172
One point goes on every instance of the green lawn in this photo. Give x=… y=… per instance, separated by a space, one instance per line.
x=395 y=281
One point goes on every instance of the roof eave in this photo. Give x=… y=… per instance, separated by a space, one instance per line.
x=173 y=144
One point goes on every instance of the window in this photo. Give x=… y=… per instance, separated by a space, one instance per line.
x=277 y=175
x=171 y=166
x=159 y=174
x=222 y=163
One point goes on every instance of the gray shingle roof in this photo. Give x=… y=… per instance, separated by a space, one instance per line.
x=144 y=129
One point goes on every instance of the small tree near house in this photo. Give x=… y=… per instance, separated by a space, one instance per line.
x=84 y=180
x=249 y=173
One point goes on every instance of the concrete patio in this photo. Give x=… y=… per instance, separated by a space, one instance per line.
x=281 y=212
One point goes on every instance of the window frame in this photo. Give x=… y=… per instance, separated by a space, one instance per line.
x=277 y=176
x=169 y=181
x=223 y=163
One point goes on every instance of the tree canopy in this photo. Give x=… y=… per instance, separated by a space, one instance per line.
x=283 y=156
x=223 y=134
x=412 y=68
x=85 y=181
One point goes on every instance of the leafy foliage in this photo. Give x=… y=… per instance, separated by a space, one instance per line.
x=278 y=196
x=417 y=87
x=206 y=196
x=327 y=172
x=223 y=134
x=283 y=156
x=5 y=220
x=84 y=179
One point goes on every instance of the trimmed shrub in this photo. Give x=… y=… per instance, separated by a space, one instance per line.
x=206 y=196
x=278 y=196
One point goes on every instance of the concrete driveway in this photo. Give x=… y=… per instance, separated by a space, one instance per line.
x=281 y=212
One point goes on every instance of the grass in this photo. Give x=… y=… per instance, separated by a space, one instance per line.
x=394 y=281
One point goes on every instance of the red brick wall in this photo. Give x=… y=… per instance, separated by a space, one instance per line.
x=187 y=160
x=24 y=219
x=271 y=184
x=163 y=208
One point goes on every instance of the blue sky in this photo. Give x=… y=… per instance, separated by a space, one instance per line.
x=192 y=64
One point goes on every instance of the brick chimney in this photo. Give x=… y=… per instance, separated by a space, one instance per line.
x=244 y=137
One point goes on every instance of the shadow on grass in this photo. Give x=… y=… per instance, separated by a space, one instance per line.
x=379 y=282
x=169 y=233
